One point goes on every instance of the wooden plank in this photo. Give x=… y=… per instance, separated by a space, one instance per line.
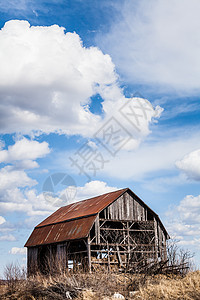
x=119 y=256
x=32 y=260
x=89 y=254
x=77 y=252
x=165 y=248
x=111 y=244
x=108 y=250
x=125 y=229
x=104 y=262
x=97 y=229
x=123 y=220
x=156 y=238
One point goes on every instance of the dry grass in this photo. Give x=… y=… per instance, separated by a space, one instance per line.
x=78 y=285
x=84 y=286
x=186 y=288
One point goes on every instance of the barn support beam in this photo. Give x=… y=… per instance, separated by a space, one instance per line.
x=89 y=254
x=156 y=238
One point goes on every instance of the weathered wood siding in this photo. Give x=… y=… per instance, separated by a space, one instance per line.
x=32 y=260
x=126 y=208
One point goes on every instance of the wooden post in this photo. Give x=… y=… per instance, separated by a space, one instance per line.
x=156 y=239
x=128 y=234
x=108 y=257
x=97 y=229
x=89 y=254
x=67 y=255
x=165 y=249
x=32 y=260
x=119 y=257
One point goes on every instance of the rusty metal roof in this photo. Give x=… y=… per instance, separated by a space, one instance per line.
x=65 y=231
x=71 y=222
x=82 y=208
x=75 y=220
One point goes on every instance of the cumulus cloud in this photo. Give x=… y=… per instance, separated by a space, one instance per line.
x=33 y=204
x=15 y=184
x=47 y=77
x=183 y=220
x=158 y=43
x=16 y=250
x=93 y=188
x=27 y=201
x=36 y=206
x=47 y=80
x=24 y=150
x=11 y=179
x=189 y=209
x=190 y=165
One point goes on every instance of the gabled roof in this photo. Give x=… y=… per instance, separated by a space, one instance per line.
x=71 y=222
x=82 y=208
x=59 y=232
x=75 y=220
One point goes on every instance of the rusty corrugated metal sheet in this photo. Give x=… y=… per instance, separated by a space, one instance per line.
x=60 y=232
x=82 y=208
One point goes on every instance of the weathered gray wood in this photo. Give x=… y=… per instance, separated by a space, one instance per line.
x=89 y=254
x=125 y=229
x=108 y=251
x=97 y=229
x=123 y=220
x=119 y=256
x=32 y=260
x=156 y=238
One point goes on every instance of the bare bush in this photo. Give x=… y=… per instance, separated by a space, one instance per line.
x=179 y=260
x=13 y=273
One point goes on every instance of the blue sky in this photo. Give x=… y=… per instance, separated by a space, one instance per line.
x=72 y=73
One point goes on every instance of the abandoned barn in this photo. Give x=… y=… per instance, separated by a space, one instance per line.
x=114 y=230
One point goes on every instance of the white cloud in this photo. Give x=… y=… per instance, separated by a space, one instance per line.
x=183 y=220
x=190 y=165
x=2 y=220
x=34 y=204
x=38 y=206
x=7 y=237
x=159 y=43
x=148 y=158
x=16 y=250
x=26 y=201
x=93 y=188
x=10 y=179
x=24 y=150
x=47 y=76
x=189 y=209
x=46 y=81
x=15 y=184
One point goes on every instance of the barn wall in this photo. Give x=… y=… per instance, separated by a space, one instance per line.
x=32 y=258
x=125 y=208
x=56 y=257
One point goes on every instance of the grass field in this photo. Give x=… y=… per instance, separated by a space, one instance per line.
x=103 y=286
